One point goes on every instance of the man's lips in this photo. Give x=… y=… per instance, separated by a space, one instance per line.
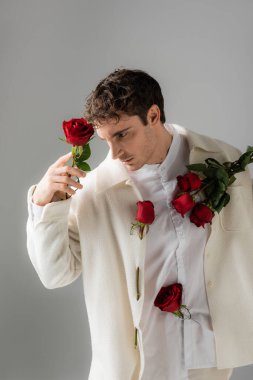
x=126 y=159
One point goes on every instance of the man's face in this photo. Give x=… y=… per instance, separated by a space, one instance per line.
x=129 y=140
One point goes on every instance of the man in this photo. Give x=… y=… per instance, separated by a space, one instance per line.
x=89 y=233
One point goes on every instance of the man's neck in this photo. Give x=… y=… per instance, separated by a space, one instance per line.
x=165 y=138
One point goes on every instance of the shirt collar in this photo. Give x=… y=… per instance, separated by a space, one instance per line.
x=173 y=155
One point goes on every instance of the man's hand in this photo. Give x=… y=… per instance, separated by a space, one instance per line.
x=56 y=181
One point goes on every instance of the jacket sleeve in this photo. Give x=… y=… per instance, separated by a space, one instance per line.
x=53 y=243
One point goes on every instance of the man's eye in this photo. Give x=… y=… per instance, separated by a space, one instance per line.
x=122 y=134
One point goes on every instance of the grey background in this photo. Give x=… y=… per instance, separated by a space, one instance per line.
x=53 y=53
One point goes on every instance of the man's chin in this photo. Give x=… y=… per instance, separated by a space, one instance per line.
x=132 y=167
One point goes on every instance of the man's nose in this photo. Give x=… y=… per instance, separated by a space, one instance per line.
x=115 y=150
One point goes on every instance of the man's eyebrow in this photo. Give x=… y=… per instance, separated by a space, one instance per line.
x=119 y=132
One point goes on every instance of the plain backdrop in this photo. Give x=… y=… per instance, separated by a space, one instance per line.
x=53 y=53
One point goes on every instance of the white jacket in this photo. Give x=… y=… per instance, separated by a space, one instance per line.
x=89 y=234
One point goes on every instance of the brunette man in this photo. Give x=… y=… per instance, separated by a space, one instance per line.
x=89 y=233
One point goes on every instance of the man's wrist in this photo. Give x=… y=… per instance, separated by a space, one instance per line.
x=56 y=198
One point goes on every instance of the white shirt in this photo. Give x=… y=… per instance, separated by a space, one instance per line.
x=175 y=250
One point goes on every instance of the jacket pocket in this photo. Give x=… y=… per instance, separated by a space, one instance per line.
x=238 y=213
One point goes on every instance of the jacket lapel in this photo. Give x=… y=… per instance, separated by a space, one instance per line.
x=110 y=173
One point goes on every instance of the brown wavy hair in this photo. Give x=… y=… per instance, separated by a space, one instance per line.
x=127 y=91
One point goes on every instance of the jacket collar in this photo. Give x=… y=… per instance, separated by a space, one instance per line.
x=198 y=141
x=112 y=172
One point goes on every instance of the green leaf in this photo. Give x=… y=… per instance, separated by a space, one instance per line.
x=197 y=167
x=83 y=166
x=208 y=190
x=240 y=164
x=210 y=172
x=85 y=153
x=222 y=175
x=217 y=193
x=219 y=173
x=223 y=202
x=213 y=162
x=244 y=160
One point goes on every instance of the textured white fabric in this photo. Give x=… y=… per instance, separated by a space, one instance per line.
x=175 y=249
x=210 y=374
x=36 y=212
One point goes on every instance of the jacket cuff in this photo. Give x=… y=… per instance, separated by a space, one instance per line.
x=53 y=210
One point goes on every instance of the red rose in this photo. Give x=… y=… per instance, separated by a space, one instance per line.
x=77 y=131
x=169 y=298
x=201 y=214
x=145 y=212
x=190 y=181
x=183 y=203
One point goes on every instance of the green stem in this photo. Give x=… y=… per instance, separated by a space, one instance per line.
x=137 y=283
x=236 y=168
x=141 y=231
x=204 y=187
x=135 y=338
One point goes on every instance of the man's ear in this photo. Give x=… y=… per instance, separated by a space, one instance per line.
x=153 y=115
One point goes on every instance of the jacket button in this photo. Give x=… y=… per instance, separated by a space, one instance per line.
x=210 y=284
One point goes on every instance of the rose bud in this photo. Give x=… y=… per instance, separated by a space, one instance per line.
x=201 y=214
x=145 y=216
x=190 y=181
x=145 y=212
x=77 y=131
x=183 y=203
x=169 y=298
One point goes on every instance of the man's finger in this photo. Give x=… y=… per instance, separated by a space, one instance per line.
x=63 y=159
x=70 y=171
